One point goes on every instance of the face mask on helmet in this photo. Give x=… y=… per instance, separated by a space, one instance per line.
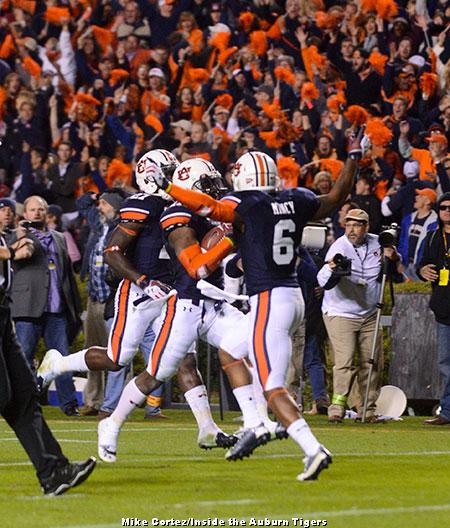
x=255 y=171
x=213 y=186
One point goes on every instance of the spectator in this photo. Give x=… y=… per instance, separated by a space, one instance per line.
x=365 y=199
x=434 y=266
x=63 y=179
x=102 y=214
x=47 y=278
x=349 y=312
x=414 y=229
x=7 y=215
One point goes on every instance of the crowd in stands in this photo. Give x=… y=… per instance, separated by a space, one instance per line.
x=87 y=86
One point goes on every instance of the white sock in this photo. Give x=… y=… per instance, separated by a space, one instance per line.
x=247 y=402
x=131 y=398
x=300 y=432
x=261 y=402
x=197 y=399
x=72 y=363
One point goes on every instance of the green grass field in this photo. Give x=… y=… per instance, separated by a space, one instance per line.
x=391 y=475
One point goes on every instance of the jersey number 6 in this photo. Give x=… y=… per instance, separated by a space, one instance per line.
x=283 y=246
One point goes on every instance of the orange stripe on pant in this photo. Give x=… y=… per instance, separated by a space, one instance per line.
x=259 y=331
x=121 y=319
x=163 y=335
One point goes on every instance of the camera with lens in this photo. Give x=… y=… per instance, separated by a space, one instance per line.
x=388 y=237
x=343 y=265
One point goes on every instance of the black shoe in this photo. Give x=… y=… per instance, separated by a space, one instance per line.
x=248 y=442
x=66 y=477
x=72 y=411
x=221 y=439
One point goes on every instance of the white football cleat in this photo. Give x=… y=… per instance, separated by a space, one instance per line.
x=315 y=464
x=46 y=372
x=108 y=434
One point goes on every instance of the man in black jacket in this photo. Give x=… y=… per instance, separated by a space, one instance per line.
x=435 y=267
x=19 y=394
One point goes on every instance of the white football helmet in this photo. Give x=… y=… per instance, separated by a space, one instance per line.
x=165 y=160
x=200 y=175
x=255 y=170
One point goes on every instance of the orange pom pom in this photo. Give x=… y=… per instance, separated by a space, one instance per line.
x=258 y=42
x=335 y=102
x=103 y=37
x=26 y=5
x=333 y=166
x=356 y=115
x=377 y=61
x=368 y=6
x=118 y=171
x=157 y=105
x=328 y=20
x=284 y=74
x=198 y=75
x=386 y=9
x=224 y=100
x=225 y=55
x=428 y=83
x=195 y=40
x=315 y=57
x=87 y=99
x=118 y=75
x=378 y=132
x=32 y=67
x=7 y=48
x=220 y=40
x=272 y=110
x=57 y=15
x=309 y=91
x=154 y=122
x=289 y=171
x=246 y=19
x=271 y=139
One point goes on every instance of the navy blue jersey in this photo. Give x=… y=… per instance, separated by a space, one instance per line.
x=147 y=254
x=177 y=216
x=274 y=224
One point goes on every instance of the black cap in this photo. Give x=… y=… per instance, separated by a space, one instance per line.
x=8 y=202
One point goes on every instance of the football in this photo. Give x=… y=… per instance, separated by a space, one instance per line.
x=215 y=235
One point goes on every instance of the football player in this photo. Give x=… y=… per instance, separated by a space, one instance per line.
x=198 y=310
x=268 y=227
x=136 y=253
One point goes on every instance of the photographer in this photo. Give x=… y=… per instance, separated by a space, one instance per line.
x=434 y=267
x=351 y=278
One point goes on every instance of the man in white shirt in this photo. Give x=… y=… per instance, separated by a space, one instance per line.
x=349 y=310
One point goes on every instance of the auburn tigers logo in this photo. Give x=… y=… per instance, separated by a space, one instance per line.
x=141 y=166
x=237 y=168
x=183 y=174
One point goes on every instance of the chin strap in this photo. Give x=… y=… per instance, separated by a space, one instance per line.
x=200 y=265
x=202 y=204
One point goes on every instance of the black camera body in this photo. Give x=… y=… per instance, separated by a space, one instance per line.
x=389 y=235
x=343 y=266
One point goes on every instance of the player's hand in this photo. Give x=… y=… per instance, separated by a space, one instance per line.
x=155 y=289
x=358 y=145
x=153 y=172
x=429 y=272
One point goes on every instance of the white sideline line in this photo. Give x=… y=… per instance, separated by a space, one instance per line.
x=306 y=515
x=125 y=430
x=147 y=458
x=72 y=440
